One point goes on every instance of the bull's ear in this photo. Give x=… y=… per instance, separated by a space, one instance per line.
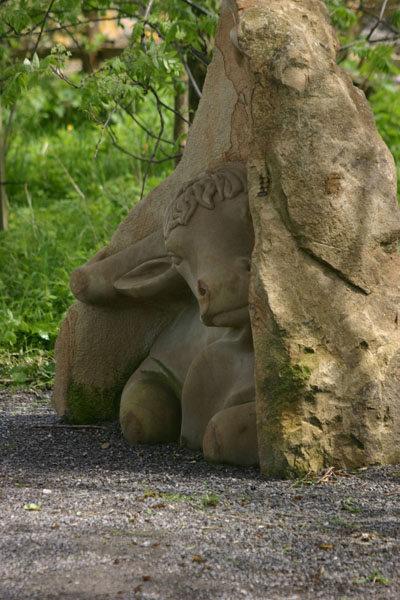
x=156 y=277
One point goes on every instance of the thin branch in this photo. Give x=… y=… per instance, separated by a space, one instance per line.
x=199 y=56
x=75 y=185
x=59 y=27
x=57 y=71
x=149 y=133
x=178 y=114
x=106 y=122
x=148 y=10
x=383 y=8
x=42 y=28
x=197 y=7
x=79 y=191
x=166 y=106
x=385 y=39
x=190 y=75
x=378 y=41
x=115 y=143
x=379 y=20
x=156 y=145
x=145 y=21
x=71 y=35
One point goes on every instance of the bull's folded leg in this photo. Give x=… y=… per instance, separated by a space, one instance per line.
x=231 y=436
x=150 y=413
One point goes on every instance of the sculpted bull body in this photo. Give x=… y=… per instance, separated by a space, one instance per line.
x=197 y=384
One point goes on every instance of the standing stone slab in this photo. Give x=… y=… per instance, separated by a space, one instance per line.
x=325 y=293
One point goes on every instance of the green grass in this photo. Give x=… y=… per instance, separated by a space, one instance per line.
x=64 y=207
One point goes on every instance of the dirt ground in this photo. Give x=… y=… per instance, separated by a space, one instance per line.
x=85 y=516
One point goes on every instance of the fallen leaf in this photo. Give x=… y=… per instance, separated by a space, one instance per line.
x=363 y=536
x=146 y=577
x=324 y=546
x=159 y=505
x=116 y=561
x=55 y=527
x=198 y=559
x=105 y=445
x=31 y=506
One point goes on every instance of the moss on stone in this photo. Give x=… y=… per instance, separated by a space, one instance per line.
x=286 y=387
x=91 y=405
x=291 y=380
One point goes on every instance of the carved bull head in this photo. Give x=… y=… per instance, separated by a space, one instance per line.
x=209 y=237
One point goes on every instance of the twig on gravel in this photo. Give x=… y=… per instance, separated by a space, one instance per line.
x=331 y=474
x=64 y=425
x=328 y=475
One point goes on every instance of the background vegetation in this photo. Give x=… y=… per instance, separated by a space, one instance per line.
x=77 y=150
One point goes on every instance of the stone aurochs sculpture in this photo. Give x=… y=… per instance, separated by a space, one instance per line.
x=197 y=383
x=324 y=292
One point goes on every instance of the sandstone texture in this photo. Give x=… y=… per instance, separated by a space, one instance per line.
x=325 y=293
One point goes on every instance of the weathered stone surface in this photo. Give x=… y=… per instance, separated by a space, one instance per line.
x=324 y=294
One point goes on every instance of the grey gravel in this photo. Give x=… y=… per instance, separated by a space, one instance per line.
x=158 y=522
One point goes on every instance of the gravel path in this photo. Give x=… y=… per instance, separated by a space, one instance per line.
x=120 y=522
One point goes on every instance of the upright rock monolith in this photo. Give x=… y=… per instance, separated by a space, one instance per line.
x=325 y=291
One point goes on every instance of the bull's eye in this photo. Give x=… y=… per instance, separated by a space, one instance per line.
x=176 y=260
x=202 y=288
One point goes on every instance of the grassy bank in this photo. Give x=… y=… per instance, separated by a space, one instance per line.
x=64 y=205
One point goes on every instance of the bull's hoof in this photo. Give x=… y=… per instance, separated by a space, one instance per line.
x=149 y=414
x=231 y=436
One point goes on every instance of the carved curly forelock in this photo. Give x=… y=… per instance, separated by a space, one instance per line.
x=205 y=190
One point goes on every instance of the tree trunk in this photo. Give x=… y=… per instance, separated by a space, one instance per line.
x=3 y=193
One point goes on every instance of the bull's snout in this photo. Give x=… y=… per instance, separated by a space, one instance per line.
x=203 y=297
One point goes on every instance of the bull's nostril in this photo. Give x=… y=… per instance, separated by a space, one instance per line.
x=202 y=288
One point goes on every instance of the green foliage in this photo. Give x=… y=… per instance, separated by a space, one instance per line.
x=210 y=500
x=53 y=228
x=374 y=65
